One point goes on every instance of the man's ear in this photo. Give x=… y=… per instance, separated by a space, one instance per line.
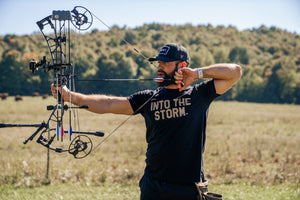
x=184 y=64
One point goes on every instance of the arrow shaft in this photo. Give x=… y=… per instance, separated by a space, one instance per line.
x=124 y=79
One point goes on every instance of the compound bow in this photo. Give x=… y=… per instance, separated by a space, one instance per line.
x=59 y=44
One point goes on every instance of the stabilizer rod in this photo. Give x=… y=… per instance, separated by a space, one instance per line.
x=2 y=125
x=95 y=133
x=42 y=125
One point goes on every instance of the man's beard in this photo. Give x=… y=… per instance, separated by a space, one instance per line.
x=168 y=79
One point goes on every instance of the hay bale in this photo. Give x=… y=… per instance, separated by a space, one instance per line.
x=45 y=96
x=18 y=98
x=4 y=96
x=35 y=94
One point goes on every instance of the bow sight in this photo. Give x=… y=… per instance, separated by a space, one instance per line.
x=59 y=44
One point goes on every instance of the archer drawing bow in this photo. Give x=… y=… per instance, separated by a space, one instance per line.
x=56 y=29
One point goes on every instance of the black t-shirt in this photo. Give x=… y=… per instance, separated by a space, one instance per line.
x=176 y=123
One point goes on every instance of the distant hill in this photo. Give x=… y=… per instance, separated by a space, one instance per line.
x=270 y=58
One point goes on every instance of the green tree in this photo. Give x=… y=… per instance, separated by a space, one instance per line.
x=272 y=88
x=130 y=37
x=250 y=88
x=202 y=57
x=259 y=51
x=220 y=55
x=12 y=79
x=239 y=55
x=116 y=66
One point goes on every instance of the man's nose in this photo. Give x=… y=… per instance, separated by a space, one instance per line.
x=160 y=66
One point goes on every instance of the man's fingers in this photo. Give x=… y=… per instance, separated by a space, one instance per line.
x=182 y=88
x=178 y=77
x=186 y=77
x=53 y=90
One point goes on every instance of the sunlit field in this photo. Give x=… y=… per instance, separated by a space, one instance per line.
x=252 y=152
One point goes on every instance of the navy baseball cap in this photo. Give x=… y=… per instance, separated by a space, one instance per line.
x=172 y=52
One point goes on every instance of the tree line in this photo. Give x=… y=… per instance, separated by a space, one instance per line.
x=270 y=58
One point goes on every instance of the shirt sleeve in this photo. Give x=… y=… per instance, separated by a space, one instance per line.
x=208 y=90
x=137 y=100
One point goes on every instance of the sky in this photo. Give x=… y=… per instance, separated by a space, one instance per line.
x=20 y=16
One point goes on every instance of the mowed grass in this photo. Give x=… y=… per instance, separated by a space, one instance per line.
x=252 y=152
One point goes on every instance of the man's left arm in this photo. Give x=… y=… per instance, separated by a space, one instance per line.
x=224 y=75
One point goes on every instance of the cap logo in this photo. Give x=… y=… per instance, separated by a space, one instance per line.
x=164 y=51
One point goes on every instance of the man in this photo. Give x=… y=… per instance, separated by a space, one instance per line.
x=175 y=116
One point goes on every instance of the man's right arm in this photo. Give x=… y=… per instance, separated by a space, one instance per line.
x=96 y=103
x=224 y=75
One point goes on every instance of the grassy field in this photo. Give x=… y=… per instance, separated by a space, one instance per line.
x=252 y=152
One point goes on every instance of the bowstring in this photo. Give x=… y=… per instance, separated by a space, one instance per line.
x=75 y=111
x=70 y=83
x=124 y=40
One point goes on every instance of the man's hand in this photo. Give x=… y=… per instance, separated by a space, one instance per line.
x=185 y=77
x=65 y=92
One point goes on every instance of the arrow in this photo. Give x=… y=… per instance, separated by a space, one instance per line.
x=125 y=79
